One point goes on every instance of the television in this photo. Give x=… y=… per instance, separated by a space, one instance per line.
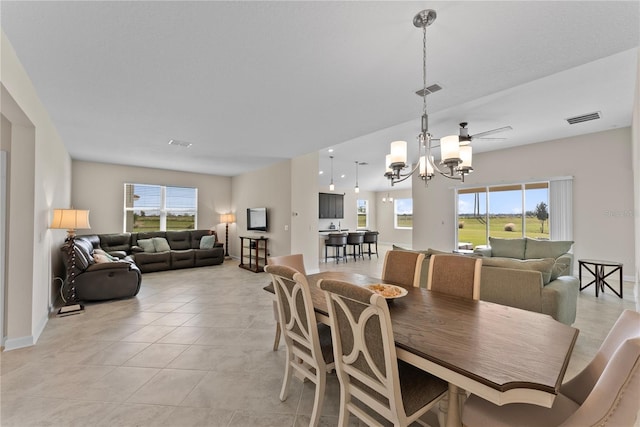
x=257 y=219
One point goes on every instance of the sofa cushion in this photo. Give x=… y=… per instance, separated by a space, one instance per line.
x=508 y=248
x=546 y=248
x=147 y=245
x=207 y=242
x=161 y=244
x=179 y=240
x=115 y=242
x=543 y=265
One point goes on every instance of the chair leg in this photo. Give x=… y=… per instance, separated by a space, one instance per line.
x=377 y=250
x=318 y=399
x=287 y=376
x=276 y=342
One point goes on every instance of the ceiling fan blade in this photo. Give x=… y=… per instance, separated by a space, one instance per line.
x=491 y=132
x=490 y=139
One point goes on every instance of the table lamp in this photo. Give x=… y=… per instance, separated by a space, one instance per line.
x=71 y=220
x=227 y=219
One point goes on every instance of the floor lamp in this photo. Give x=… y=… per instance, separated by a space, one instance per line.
x=227 y=219
x=71 y=220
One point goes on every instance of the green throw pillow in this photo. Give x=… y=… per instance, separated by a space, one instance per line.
x=544 y=265
x=547 y=248
x=147 y=245
x=207 y=242
x=161 y=244
x=508 y=248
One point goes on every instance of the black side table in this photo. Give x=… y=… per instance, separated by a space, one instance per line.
x=597 y=269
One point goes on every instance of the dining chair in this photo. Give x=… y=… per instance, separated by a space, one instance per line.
x=605 y=393
x=295 y=261
x=457 y=275
x=402 y=268
x=366 y=362
x=309 y=346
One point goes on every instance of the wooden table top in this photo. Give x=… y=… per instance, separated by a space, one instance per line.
x=499 y=346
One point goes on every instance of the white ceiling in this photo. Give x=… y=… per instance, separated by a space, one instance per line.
x=252 y=83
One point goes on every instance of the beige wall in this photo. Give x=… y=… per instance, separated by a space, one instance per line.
x=99 y=187
x=304 y=209
x=269 y=187
x=635 y=142
x=39 y=168
x=603 y=193
x=385 y=221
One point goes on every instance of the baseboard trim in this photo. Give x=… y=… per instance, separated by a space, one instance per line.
x=16 y=343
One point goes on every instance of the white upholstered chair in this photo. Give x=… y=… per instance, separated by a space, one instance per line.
x=295 y=261
x=605 y=393
x=456 y=275
x=402 y=268
x=309 y=350
x=366 y=361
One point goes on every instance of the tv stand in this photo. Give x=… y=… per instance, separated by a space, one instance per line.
x=253 y=253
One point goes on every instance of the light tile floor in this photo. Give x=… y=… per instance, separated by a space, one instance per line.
x=193 y=349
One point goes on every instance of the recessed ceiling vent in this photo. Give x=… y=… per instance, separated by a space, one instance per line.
x=180 y=143
x=583 y=118
x=430 y=89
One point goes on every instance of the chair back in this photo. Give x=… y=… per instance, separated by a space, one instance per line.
x=296 y=314
x=457 y=275
x=626 y=327
x=295 y=261
x=402 y=268
x=364 y=349
x=336 y=239
x=370 y=236
x=355 y=238
x=614 y=398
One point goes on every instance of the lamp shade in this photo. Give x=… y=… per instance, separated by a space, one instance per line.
x=387 y=164
x=228 y=218
x=70 y=219
x=450 y=148
x=465 y=156
x=399 y=152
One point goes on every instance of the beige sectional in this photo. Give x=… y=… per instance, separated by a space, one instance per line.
x=537 y=280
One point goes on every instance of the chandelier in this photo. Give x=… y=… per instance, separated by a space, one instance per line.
x=455 y=151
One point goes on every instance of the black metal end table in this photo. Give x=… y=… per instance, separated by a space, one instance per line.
x=598 y=269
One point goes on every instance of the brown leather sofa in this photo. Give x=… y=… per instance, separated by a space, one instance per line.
x=101 y=281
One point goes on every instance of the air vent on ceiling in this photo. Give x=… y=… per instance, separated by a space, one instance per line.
x=180 y=143
x=430 y=89
x=583 y=118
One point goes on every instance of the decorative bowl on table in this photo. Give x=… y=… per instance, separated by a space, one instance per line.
x=389 y=292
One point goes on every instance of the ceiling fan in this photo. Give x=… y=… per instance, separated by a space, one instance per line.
x=465 y=138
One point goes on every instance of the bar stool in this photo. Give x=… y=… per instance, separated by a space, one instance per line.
x=336 y=241
x=371 y=238
x=355 y=240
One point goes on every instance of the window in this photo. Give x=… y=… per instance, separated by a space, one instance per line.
x=505 y=211
x=403 y=213
x=363 y=213
x=159 y=208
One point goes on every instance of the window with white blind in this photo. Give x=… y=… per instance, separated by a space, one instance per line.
x=159 y=208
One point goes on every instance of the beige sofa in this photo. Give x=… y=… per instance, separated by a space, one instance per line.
x=536 y=280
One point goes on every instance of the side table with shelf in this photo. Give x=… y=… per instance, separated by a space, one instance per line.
x=253 y=253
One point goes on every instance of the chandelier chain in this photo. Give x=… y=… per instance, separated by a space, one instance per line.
x=424 y=69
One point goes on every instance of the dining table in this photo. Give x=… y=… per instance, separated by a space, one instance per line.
x=499 y=353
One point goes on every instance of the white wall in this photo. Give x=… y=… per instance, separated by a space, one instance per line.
x=99 y=187
x=39 y=180
x=602 y=192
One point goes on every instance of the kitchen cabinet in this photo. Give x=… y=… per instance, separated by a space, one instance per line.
x=331 y=205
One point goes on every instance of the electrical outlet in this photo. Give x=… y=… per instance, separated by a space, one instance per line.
x=286 y=228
